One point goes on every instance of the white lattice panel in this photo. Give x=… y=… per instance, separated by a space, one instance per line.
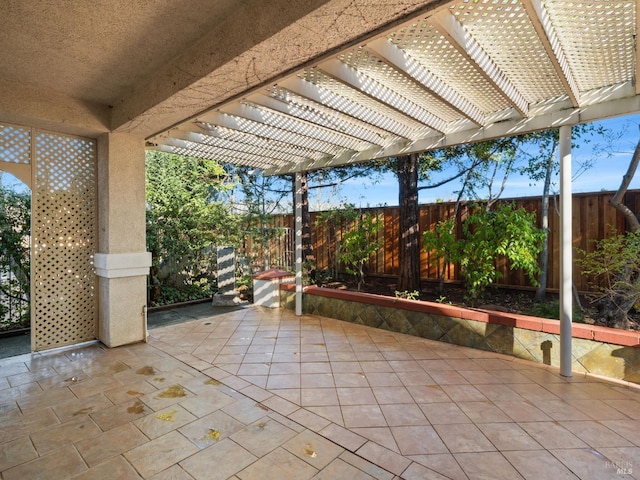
x=513 y=45
x=64 y=241
x=15 y=144
x=598 y=56
x=425 y=44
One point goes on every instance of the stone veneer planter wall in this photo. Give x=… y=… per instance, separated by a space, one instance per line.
x=596 y=350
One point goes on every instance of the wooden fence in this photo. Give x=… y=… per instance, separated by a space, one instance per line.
x=593 y=219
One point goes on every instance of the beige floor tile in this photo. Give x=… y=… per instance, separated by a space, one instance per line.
x=112 y=417
x=538 y=465
x=211 y=429
x=42 y=400
x=418 y=440
x=486 y=466
x=53 y=438
x=343 y=437
x=462 y=438
x=315 y=367
x=317 y=380
x=283 y=381
x=331 y=413
x=308 y=419
x=444 y=413
x=384 y=457
x=403 y=415
x=339 y=469
x=363 y=416
x=390 y=395
x=483 y=412
x=428 y=393
x=204 y=404
x=417 y=471
x=318 y=397
x=163 y=421
x=15 y=452
x=380 y=435
x=280 y=464
x=590 y=464
x=508 y=436
x=356 y=396
x=246 y=410
x=111 y=443
x=313 y=449
x=377 y=367
x=16 y=425
x=62 y=463
x=367 y=467
x=552 y=435
x=353 y=380
x=442 y=463
x=595 y=434
x=281 y=405
x=160 y=454
x=81 y=407
x=116 y=467
x=228 y=457
x=175 y=472
x=522 y=411
x=263 y=436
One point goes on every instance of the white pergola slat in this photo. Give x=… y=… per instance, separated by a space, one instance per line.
x=466 y=71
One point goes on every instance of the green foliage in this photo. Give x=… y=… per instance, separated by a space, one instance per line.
x=614 y=266
x=184 y=225
x=15 y=228
x=358 y=244
x=414 y=295
x=508 y=232
x=332 y=222
x=487 y=235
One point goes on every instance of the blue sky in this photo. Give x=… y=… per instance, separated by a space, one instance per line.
x=605 y=174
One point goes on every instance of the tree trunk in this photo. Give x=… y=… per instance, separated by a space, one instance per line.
x=616 y=201
x=308 y=258
x=543 y=259
x=409 y=254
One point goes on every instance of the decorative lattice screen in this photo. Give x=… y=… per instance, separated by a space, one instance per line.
x=64 y=240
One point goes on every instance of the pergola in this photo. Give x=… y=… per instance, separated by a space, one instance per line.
x=297 y=85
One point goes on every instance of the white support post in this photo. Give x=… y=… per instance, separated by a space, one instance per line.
x=566 y=254
x=298 y=241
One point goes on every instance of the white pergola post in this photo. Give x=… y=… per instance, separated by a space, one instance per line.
x=566 y=254
x=298 y=241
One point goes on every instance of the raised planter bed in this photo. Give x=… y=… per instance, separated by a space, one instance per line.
x=596 y=350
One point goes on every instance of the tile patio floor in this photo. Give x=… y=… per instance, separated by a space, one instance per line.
x=254 y=393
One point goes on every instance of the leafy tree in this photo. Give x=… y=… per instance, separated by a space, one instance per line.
x=15 y=230
x=184 y=224
x=615 y=267
x=505 y=231
x=333 y=221
x=358 y=244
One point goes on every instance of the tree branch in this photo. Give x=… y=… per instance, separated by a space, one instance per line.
x=616 y=201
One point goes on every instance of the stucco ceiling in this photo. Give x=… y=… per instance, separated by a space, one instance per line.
x=288 y=85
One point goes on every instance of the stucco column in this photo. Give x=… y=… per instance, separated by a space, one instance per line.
x=122 y=263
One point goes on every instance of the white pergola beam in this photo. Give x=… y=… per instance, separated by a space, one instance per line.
x=343 y=105
x=232 y=146
x=317 y=117
x=298 y=121
x=404 y=64
x=456 y=34
x=252 y=127
x=551 y=43
x=381 y=93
